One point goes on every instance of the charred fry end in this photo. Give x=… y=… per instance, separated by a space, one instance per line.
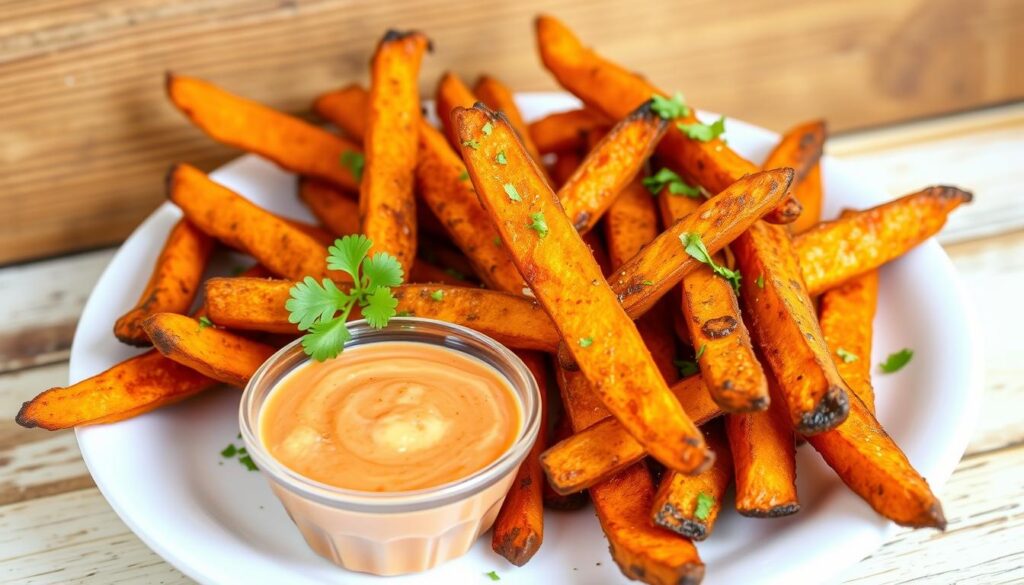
x=393 y=35
x=831 y=411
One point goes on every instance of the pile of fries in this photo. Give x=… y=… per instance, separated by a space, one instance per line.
x=613 y=238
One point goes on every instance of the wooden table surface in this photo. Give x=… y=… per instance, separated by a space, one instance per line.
x=55 y=527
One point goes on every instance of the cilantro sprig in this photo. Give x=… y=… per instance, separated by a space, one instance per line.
x=896 y=361
x=703 y=132
x=355 y=162
x=322 y=309
x=668 y=108
x=676 y=185
x=695 y=247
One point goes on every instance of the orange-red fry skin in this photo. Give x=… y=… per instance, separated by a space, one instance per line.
x=678 y=504
x=846 y=314
x=346 y=108
x=800 y=149
x=811 y=197
x=498 y=97
x=451 y=93
x=337 y=211
x=564 y=131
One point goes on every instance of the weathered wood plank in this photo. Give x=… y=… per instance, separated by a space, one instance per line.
x=87 y=135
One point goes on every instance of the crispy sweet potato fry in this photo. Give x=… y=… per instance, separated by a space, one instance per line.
x=809 y=194
x=563 y=131
x=562 y=430
x=213 y=352
x=610 y=166
x=424 y=272
x=315 y=231
x=338 y=212
x=799 y=149
x=255 y=304
x=290 y=142
x=689 y=504
x=846 y=314
x=873 y=467
x=445 y=187
x=836 y=251
x=564 y=166
x=387 y=205
x=519 y=528
x=498 y=97
x=451 y=93
x=718 y=221
x=567 y=281
x=623 y=504
x=615 y=91
x=604 y=448
x=173 y=284
x=630 y=223
x=281 y=247
x=785 y=327
x=764 y=460
x=346 y=108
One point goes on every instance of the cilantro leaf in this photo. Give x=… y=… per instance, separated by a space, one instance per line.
x=510 y=190
x=355 y=162
x=848 y=357
x=705 y=503
x=380 y=307
x=760 y=281
x=586 y=341
x=896 y=361
x=437 y=295
x=471 y=144
x=669 y=108
x=347 y=254
x=382 y=269
x=326 y=339
x=695 y=247
x=229 y=451
x=700 y=351
x=676 y=186
x=487 y=128
x=248 y=463
x=687 y=368
x=539 y=224
x=205 y=322
x=501 y=159
x=703 y=132
x=310 y=302
x=464 y=176
x=492 y=575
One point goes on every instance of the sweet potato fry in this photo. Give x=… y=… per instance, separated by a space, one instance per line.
x=846 y=314
x=564 y=166
x=868 y=461
x=764 y=460
x=255 y=304
x=564 y=277
x=718 y=221
x=836 y=251
x=387 y=204
x=288 y=141
x=519 y=528
x=809 y=194
x=213 y=352
x=279 y=246
x=785 y=327
x=623 y=504
x=630 y=223
x=498 y=97
x=689 y=504
x=173 y=284
x=447 y=257
x=604 y=448
x=137 y=385
x=563 y=131
x=423 y=272
x=562 y=430
x=444 y=186
x=799 y=149
x=346 y=108
x=610 y=166
x=615 y=91
x=451 y=93
x=338 y=212
x=318 y=232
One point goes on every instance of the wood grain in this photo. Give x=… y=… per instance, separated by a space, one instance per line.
x=86 y=135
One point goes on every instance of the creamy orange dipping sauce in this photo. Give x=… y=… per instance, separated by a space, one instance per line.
x=391 y=416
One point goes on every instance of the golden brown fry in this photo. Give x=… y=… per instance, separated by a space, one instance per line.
x=451 y=93
x=279 y=246
x=785 y=327
x=213 y=352
x=846 y=314
x=630 y=223
x=718 y=221
x=337 y=211
x=799 y=149
x=255 y=304
x=836 y=251
x=562 y=430
x=387 y=204
x=689 y=504
x=288 y=141
x=809 y=194
x=610 y=166
x=873 y=467
x=172 y=286
x=498 y=97
x=135 y=386
x=564 y=131
x=764 y=459
x=564 y=166
x=519 y=528
x=315 y=231
x=424 y=272
x=564 y=277
x=604 y=448
x=346 y=108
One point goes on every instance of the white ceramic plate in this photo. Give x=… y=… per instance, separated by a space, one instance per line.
x=217 y=523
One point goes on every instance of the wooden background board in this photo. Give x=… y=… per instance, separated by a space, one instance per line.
x=86 y=134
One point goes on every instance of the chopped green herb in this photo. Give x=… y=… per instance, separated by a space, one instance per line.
x=538 y=224
x=847 y=356
x=896 y=361
x=705 y=503
x=471 y=144
x=492 y=575
x=487 y=128
x=464 y=176
x=687 y=368
x=321 y=309
x=647 y=283
x=510 y=190
x=670 y=108
x=586 y=341
x=695 y=247
x=229 y=451
x=700 y=351
x=248 y=463
x=205 y=322
x=404 y=314
x=355 y=162
x=500 y=158
x=437 y=295
x=454 y=273
x=760 y=281
x=676 y=186
x=497 y=240
x=703 y=132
